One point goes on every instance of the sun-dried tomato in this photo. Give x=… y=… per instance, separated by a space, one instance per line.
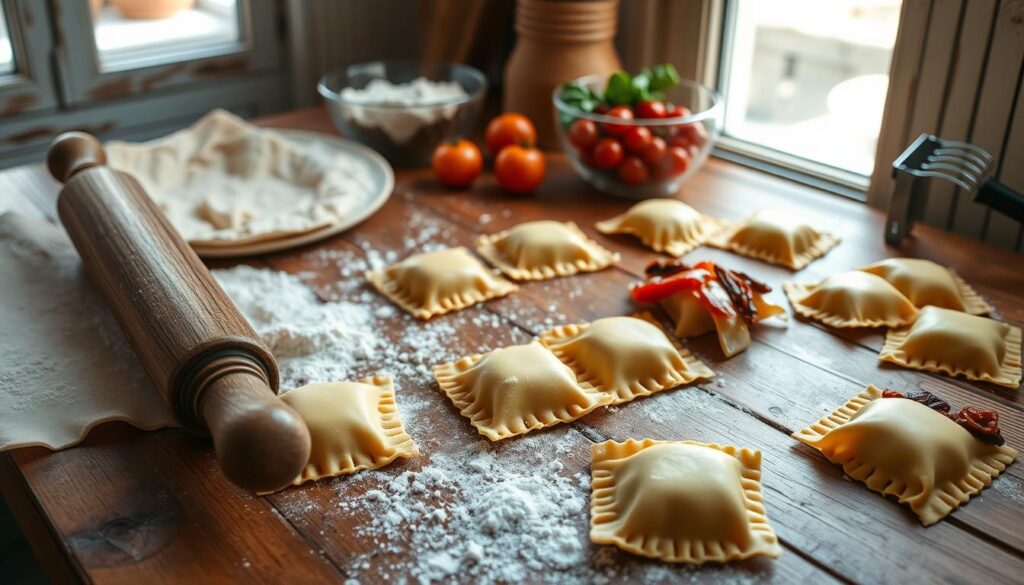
x=892 y=394
x=716 y=298
x=665 y=268
x=740 y=293
x=926 y=398
x=983 y=424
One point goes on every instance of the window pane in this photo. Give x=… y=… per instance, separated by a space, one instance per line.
x=135 y=33
x=6 y=48
x=809 y=77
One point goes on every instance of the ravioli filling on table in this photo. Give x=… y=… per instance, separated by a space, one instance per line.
x=913 y=447
x=435 y=283
x=517 y=389
x=706 y=297
x=681 y=502
x=852 y=299
x=776 y=237
x=957 y=344
x=926 y=283
x=539 y=250
x=664 y=225
x=626 y=357
x=353 y=426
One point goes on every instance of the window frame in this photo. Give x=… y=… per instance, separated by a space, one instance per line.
x=30 y=87
x=84 y=80
x=796 y=168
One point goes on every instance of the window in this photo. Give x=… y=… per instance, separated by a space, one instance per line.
x=6 y=48
x=124 y=39
x=805 y=83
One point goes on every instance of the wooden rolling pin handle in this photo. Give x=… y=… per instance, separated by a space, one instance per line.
x=214 y=372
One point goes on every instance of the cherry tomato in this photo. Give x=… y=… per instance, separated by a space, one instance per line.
x=457 y=163
x=622 y=112
x=674 y=111
x=632 y=171
x=601 y=109
x=678 y=160
x=519 y=169
x=583 y=134
x=508 y=129
x=607 y=153
x=636 y=138
x=654 y=151
x=693 y=133
x=650 y=109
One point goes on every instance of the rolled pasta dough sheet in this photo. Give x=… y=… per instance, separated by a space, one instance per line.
x=65 y=366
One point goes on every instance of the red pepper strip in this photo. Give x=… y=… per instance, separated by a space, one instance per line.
x=660 y=289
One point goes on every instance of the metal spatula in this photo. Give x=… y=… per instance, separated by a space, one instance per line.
x=961 y=163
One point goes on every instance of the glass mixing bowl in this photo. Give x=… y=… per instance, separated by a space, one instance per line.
x=695 y=132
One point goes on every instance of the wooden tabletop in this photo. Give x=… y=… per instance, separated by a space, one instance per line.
x=140 y=507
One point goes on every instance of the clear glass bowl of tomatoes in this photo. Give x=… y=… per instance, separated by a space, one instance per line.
x=643 y=149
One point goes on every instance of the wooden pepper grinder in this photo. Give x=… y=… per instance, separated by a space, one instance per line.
x=215 y=374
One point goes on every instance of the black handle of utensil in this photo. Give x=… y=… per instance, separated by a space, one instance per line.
x=1001 y=198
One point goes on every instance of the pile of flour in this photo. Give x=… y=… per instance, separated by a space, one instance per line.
x=401 y=110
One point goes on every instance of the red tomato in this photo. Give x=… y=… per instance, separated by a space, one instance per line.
x=607 y=153
x=622 y=112
x=632 y=171
x=518 y=169
x=693 y=133
x=508 y=129
x=674 y=111
x=678 y=160
x=583 y=134
x=654 y=151
x=650 y=109
x=457 y=163
x=636 y=138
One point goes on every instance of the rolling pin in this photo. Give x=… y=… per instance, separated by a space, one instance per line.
x=215 y=374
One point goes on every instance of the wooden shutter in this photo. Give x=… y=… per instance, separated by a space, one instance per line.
x=956 y=73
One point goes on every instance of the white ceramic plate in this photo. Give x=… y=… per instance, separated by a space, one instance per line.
x=383 y=184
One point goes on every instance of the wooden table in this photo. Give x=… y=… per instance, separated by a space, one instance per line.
x=141 y=507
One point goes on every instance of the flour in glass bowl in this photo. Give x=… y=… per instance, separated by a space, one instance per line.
x=401 y=110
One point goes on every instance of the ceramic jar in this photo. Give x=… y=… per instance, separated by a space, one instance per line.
x=557 y=41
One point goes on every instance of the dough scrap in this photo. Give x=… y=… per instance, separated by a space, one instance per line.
x=514 y=390
x=435 y=283
x=664 y=225
x=539 y=250
x=692 y=319
x=926 y=283
x=851 y=299
x=681 y=502
x=353 y=425
x=777 y=238
x=625 y=356
x=225 y=183
x=957 y=344
x=899 y=447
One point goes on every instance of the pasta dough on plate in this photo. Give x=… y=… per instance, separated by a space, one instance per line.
x=926 y=283
x=539 y=250
x=624 y=356
x=902 y=448
x=515 y=390
x=851 y=299
x=664 y=225
x=353 y=426
x=681 y=502
x=776 y=237
x=435 y=283
x=957 y=344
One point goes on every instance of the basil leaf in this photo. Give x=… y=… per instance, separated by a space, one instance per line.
x=620 y=89
x=664 y=76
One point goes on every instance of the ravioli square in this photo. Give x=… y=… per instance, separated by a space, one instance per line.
x=902 y=448
x=680 y=501
x=926 y=283
x=776 y=237
x=514 y=390
x=626 y=357
x=539 y=250
x=435 y=283
x=353 y=426
x=851 y=299
x=957 y=344
x=664 y=225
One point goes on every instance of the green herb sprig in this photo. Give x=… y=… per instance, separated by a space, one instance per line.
x=623 y=88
